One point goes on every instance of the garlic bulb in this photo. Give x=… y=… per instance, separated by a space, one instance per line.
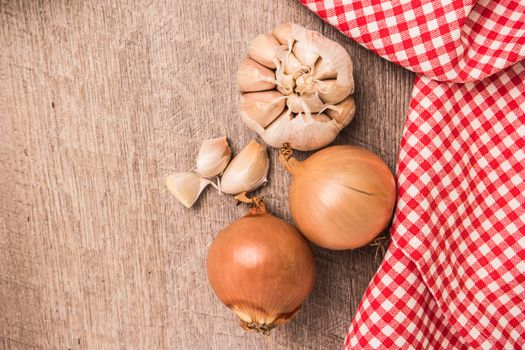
x=213 y=157
x=297 y=88
x=186 y=187
x=247 y=171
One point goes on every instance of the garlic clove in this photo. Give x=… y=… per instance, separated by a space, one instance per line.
x=253 y=76
x=278 y=133
x=263 y=107
x=186 y=187
x=334 y=56
x=303 y=132
x=324 y=70
x=313 y=102
x=213 y=157
x=247 y=171
x=286 y=83
x=262 y=50
x=308 y=103
x=283 y=33
x=321 y=117
x=295 y=104
x=291 y=65
x=315 y=131
x=342 y=112
x=330 y=91
x=305 y=84
x=306 y=53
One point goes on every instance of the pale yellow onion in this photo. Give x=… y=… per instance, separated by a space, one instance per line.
x=341 y=197
x=213 y=156
x=186 y=186
x=263 y=106
x=262 y=50
x=247 y=171
x=262 y=268
x=253 y=76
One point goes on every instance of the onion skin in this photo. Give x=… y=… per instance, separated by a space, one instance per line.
x=262 y=268
x=341 y=197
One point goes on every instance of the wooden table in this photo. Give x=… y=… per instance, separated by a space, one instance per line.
x=99 y=101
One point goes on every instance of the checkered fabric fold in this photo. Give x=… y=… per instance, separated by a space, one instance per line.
x=454 y=274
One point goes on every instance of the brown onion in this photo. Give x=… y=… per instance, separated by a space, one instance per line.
x=341 y=197
x=262 y=268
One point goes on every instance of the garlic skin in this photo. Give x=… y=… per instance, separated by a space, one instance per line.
x=247 y=170
x=314 y=76
x=186 y=186
x=213 y=156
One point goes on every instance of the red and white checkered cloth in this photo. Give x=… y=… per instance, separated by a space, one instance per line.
x=454 y=274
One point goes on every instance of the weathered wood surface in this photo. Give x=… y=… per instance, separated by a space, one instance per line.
x=99 y=100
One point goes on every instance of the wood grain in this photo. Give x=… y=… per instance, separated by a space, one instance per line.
x=99 y=101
